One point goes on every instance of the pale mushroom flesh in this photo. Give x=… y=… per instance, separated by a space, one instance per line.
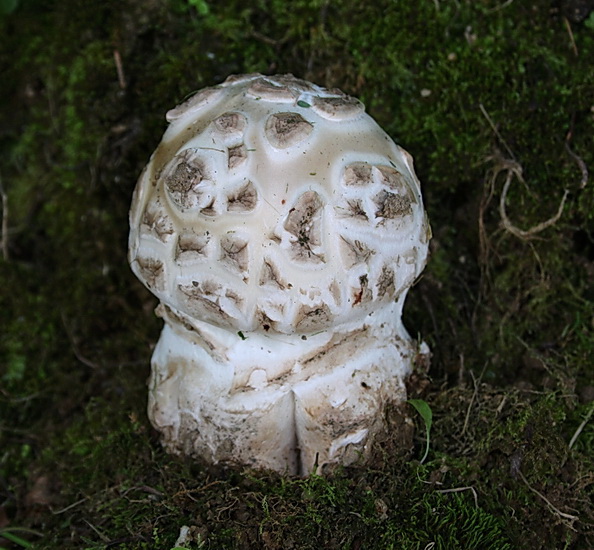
x=281 y=228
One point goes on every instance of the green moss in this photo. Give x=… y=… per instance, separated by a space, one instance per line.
x=467 y=88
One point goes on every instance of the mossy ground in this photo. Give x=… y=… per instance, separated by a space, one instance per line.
x=476 y=91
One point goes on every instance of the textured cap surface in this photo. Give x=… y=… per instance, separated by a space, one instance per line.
x=276 y=205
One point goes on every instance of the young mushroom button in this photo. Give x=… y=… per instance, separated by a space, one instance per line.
x=281 y=228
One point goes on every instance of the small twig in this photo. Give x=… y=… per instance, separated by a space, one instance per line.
x=21 y=399
x=501 y=7
x=571 y=38
x=69 y=507
x=268 y=40
x=428 y=482
x=528 y=233
x=474 y=394
x=120 y=69
x=4 y=239
x=501 y=405
x=484 y=241
x=583 y=481
x=582 y=165
x=459 y=490
x=75 y=349
x=495 y=130
x=581 y=427
x=551 y=506
x=475 y=383
x=101 y=535
x=187 y=492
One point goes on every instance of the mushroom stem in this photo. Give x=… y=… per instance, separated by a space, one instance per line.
x=276 y=402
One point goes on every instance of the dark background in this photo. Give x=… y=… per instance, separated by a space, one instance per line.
x=481 y=93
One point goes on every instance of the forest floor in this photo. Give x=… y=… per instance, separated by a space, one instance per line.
x=495 y=101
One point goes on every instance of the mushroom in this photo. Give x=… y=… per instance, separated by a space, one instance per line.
x=281 y=228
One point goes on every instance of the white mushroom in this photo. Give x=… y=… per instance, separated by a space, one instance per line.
x=281 y=228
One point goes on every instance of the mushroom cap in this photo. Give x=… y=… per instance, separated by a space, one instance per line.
x=275 y=205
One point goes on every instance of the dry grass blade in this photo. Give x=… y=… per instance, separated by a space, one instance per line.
x=581 y=427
